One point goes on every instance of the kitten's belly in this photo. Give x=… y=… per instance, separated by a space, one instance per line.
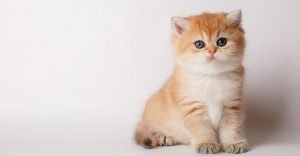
x=215 y=92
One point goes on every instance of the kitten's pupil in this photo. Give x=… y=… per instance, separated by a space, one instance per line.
x=221 y=42
x=199 y=44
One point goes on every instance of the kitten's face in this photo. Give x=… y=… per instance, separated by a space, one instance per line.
x=209 y=43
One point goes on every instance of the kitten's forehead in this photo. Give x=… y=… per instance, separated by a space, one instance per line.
x=208 y=24
x=202 y=35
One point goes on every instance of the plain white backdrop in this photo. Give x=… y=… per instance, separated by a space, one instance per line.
x=74 y=74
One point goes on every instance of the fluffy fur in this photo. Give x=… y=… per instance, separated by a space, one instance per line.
x=201 y=103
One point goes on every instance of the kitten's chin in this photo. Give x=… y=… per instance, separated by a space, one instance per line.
x=211 y=68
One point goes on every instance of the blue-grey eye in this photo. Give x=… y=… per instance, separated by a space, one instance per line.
x=221 y=42
x=199 y=44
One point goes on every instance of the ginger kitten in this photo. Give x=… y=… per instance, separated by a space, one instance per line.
x=201 y=103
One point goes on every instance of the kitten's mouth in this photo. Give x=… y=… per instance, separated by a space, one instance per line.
x=211 y=58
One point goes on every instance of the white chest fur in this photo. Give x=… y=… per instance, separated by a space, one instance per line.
x=215 y=91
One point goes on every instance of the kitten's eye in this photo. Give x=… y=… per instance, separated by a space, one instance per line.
x=221 y=42
x=199 y=44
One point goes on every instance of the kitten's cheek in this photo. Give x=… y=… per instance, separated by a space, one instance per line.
x=221 y=57
x=202 y=58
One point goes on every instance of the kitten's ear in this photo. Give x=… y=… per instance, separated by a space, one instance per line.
x=179 y=25
x=235 y=17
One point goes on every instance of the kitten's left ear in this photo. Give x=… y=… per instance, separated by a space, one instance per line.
x=235 y=17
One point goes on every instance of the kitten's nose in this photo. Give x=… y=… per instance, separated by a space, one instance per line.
x=212 y=50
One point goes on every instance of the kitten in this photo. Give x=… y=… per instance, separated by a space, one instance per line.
x=201 y=104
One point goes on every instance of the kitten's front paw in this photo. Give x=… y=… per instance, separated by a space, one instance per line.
x=241 y=147
x=208 y=148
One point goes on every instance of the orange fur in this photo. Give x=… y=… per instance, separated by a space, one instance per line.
x=187 y=108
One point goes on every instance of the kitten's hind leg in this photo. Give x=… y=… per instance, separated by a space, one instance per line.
x=153 y=139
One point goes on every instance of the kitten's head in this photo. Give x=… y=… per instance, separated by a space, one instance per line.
x=209 y=43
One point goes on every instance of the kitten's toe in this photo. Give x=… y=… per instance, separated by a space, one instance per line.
x=169 y=141
x=166 y=141
x=208 y=148
x=241 y=147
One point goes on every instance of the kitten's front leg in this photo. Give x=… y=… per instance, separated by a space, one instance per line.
x=231 y=130
x=199 y=127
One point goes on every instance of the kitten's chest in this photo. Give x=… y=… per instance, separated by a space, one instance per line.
x=215 y=89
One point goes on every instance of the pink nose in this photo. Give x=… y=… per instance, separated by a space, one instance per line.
x=212 y=50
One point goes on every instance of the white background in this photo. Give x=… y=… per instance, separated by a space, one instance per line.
x=74 y=74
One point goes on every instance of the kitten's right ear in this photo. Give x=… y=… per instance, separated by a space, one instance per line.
x=179 y=25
